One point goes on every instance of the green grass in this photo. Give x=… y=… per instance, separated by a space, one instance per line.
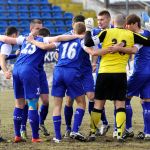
x=102 y=143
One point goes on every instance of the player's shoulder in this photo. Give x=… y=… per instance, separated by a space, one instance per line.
x=146 y=33
x=96 y=31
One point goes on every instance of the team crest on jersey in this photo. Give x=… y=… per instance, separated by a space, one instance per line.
x=38 y=91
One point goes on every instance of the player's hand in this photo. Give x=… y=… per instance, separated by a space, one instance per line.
x=7 y=74
x=89 y=23
x=30 y=38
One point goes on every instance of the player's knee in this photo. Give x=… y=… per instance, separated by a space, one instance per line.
x=45 y=99
x=90 y=95
x=32 y=103
x=69 y=101
x=20 y=103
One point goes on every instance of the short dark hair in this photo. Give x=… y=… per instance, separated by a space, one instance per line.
x=35 y=21
x=132 y=19
x=44 y=32
x=79 y=27
x=11 y=30
x=78 y=18
x=104 y=12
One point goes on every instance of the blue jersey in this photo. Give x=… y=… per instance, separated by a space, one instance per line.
x=70 y=54
x=31 y=55
x=142 y=58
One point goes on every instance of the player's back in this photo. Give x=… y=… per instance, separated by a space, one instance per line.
x=113 y=63
x=30 y=54
x=70 y=54
x=142 y=57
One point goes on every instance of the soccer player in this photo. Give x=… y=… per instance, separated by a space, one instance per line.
x=86 y=78
x=6 y=50
x=139 y=82
x=111 y=81
x=103 y=20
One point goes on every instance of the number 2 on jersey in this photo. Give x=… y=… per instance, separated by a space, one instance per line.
x=69 y=51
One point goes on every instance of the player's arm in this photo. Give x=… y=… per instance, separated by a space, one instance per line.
x=92 y=41
x=8 y=40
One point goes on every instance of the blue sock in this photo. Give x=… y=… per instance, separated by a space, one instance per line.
x=90 y=106
x=24 y=118
x=17 y=120
x=129 y=114
x=144 y=130
x=103 y=117
x=78 y=116
x=147 y=116
x=43 y=113
x=34 y=123
x=68 y=113
x=57 y=126
x=115 y=124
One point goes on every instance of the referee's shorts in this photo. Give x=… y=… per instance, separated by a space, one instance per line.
x=111 y=86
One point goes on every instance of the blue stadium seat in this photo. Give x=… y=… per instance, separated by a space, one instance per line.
x=2 y=30
x=34 y=8
x=35 y=15
x=56 y=9
x=48 y=24
x=3 y=16
x=46 y=15
x=16 y=2
x=43 y=1
x=24 y=23
x=12 y=16
x=61 y=30
x=13 y=23
x=68 y=15
x=58 y=15
x=33 y=2
x=22 y=8
x=23 y=16
x=45 y=8
x=145 y=17
x=59 y=23
x=52 y=31
x=3 y=8
x=68 y=23
x=3 y=2
x=3 y=24
x=12 y=8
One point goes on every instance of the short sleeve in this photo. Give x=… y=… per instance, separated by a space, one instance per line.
x=6 y=49
x=20 y=40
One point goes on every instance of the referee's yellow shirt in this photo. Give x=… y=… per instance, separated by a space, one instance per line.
x=115 y=63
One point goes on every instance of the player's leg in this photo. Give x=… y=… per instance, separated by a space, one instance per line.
x=68 y=113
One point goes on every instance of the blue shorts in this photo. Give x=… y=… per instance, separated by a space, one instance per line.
x=43 y=83
x=139 y=85
x=26 y=82
x=66 y=81
x=88 y=81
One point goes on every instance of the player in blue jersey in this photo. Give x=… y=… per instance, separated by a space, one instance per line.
x=103 y=20
x=139 y=82
x=26 y=78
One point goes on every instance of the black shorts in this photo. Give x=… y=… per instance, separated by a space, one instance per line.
x=111 y=86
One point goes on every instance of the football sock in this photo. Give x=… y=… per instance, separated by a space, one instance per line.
x=34 y=123
x=68 y=113
x=103 y=117
x=120 y=121
x=57 y=126
x=78 y=117
x=17 y=117
x=95 y=118
x=129 y=114
x=147 y=116
x=144 y=130
x=24 y=118
x=115 y=125
x=43 y=113
x=90 y=106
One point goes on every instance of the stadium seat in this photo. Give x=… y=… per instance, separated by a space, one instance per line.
x=24 y=24
x=3 y=16
x=59 y=23
x=16 y=2
x=24 y=31
x=13 y=16
x=13 y=23
x=33 y=2
x=68 y=23
x=43 y=1
x=12 y=8
x=34 y=8
x=145 y=17
x=57 y=15
x=2 y=30
x=3 y=24
x=3 y=2
x=68 y=15
x=23 y=16
x=35 y=16
x=45 y=8
x=56 y=9
x=48 y=24
x=46 y=15
x=23 y=8
x=52 y=31
x=60 y=31
x=3 y=8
